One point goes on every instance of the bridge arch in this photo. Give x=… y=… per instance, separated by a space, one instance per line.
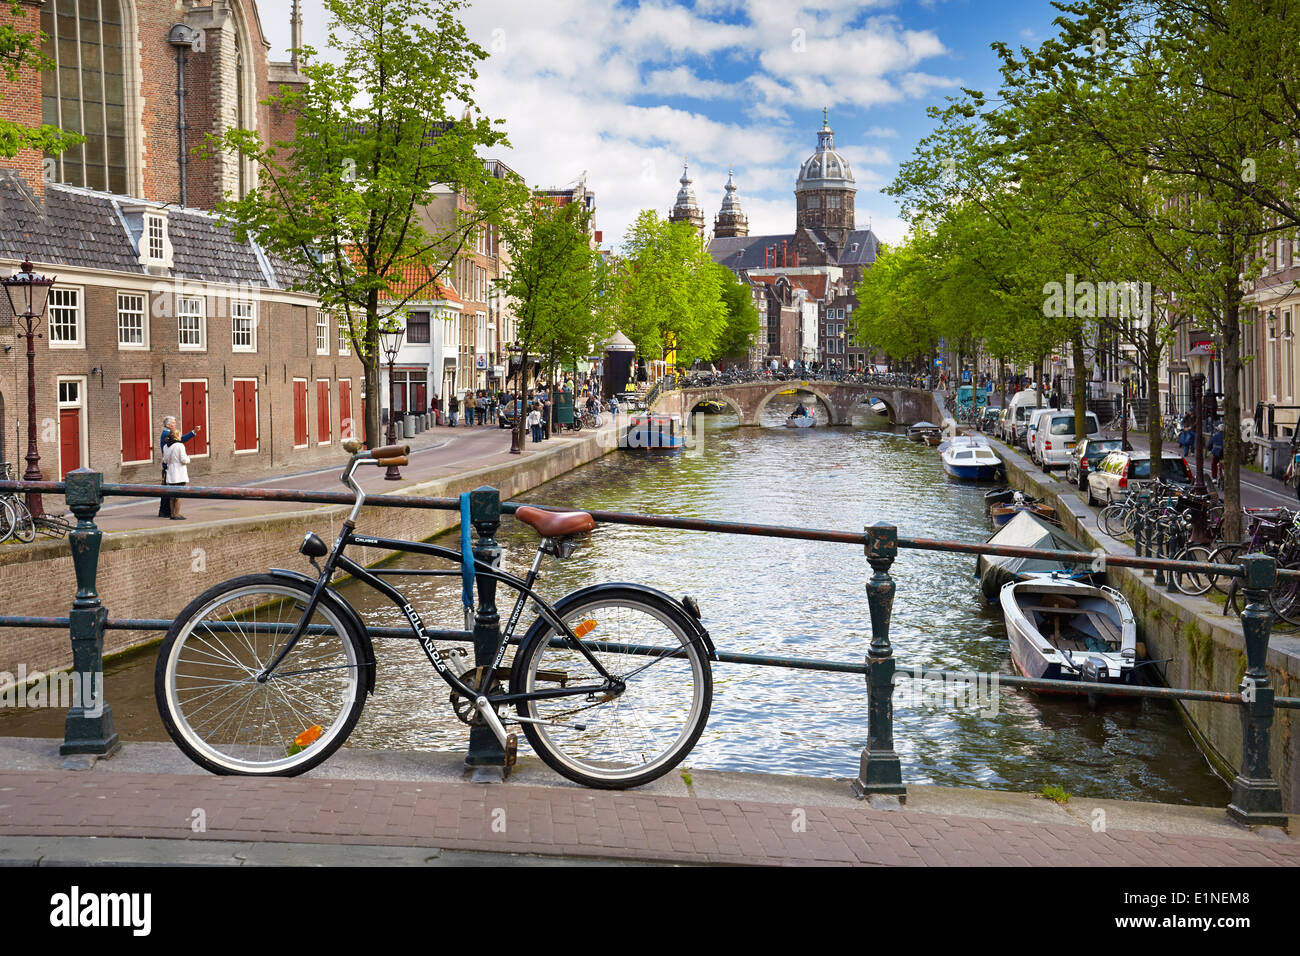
x=890 y=411
x=832 y=409
x=714 y=395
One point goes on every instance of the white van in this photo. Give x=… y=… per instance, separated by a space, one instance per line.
x=1057 y=437
x=1036 y=417
x=1016 y=419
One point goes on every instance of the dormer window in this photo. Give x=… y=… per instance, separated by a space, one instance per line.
x=156 y=227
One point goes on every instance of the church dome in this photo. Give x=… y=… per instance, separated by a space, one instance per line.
x=826 y=168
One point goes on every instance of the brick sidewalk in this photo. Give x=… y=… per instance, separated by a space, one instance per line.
x=562 y=821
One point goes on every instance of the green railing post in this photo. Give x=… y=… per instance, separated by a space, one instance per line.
x=88 y=728
x=1162 y=546
x=485 y=514
x=881 y=772
x=1256 y=796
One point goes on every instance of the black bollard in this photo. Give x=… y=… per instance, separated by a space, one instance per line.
x=1256 y=796
x=89 y=726
x=880 y=772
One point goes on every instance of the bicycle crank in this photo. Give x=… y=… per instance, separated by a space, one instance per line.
x=466 y=708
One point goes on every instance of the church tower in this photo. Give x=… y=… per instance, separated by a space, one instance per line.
x=731 y=221
x=686 y=209
x=825 y=189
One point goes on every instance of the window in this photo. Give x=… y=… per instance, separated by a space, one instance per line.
x=243 y=327
x=417 y=327
x=86 y=92
x=834 y=202
x=345 y=340
x=322 y=332
x=156 y=236
x=65 y=319
x=191 y=323
x=132 y=333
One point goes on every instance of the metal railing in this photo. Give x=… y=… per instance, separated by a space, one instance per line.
x=1256 y=796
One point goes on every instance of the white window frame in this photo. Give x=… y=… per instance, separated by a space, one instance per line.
x=257 y=416
x=203 y=323
x=143 y=344
x=252 y=331
x=80 y=341
x=345 y=340
x=322 y=332
x=207 y=413
x=155 y=237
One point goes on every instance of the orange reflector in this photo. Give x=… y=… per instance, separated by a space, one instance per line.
x=309 y=736
x=585 y=628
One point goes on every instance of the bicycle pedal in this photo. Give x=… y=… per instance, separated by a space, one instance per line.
x=512 y=749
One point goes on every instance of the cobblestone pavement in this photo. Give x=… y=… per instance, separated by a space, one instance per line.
x=569 y=822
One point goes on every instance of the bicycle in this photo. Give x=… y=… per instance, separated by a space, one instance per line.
x=15 y=520
x=611 y=685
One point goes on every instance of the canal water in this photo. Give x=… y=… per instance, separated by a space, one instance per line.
x=788 y=598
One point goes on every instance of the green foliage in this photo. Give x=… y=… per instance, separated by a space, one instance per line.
x=376 y=144
x=667 y=293
x=1055 y=793
x=742 y=323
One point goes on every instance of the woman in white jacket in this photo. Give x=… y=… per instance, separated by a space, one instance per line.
x=175 y=459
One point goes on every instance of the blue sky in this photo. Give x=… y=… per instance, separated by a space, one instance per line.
x=622 y=91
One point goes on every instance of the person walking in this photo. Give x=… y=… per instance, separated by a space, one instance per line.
x=1216 y=451
x=435 y=409
x=1186 y=439
x=176 y=464
x=470 y=406
x=168 y=430
x=453 y=409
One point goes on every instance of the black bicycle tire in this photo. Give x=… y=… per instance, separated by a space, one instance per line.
x=538 y=638
x=317 y=755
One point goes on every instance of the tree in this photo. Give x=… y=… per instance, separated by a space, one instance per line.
x=742 y=323
x=667 y=292
x=556 y=281
x=19 y=51
x=376 y=143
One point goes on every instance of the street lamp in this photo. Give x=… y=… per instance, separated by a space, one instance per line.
x=390 y=340
x=516 y=401
x=1198 y=360
x=28 y=295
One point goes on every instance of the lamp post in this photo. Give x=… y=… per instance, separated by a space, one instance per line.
x=1198 y=360
x=517 y=401
x=390 y=340
x=29 y=294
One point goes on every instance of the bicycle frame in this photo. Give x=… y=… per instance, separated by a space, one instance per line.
x=335 y=561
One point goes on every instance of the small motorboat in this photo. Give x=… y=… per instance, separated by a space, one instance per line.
x=800 y=421
x=877 y=406
x=998 y=496
x=655 y=431
x=1061 y=629
x=1020 y=501
x=1026 y=530
x=932 y=441
x=969 y=457
x=918 y=431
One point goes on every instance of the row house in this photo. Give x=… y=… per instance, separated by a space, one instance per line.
x=157 y=308
x=1270 y=317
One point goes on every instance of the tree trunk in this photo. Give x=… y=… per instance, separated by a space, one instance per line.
x=1080 y=387
x=1231 y=414
x=370 y=363
x=522 y=396
x=1152 y=357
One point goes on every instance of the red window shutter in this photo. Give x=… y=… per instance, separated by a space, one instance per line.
x=346 y=429
x=126 y=393
x=322 y=411
x=194 y=413
x=299 y=413
x=245 y=416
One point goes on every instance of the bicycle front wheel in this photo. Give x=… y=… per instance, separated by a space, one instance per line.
x=1194 y=582
x=24 y=526
x=207 y=682
x=641 y=728
x=6 y=520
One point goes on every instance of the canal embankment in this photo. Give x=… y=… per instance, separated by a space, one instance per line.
x=1201 y=647
x=153 y=572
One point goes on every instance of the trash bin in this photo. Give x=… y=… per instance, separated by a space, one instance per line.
x=1274 y=455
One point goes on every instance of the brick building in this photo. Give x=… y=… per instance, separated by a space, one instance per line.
x=825 y=256
x=157 y=309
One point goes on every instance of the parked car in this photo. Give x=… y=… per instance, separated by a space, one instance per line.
x=1086 y=456
x=1057 y=436
x=989 y=420
x=1123 y=471
x=1036 y=417
x=1016 y=421
x=509 y=414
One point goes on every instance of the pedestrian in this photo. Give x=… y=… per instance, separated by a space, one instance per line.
x=435 y=407
x=175 y=462
x=1216 y=450
x=1186 y=438
x=546 y=416
x=453 y=409
x=169 y=427
x=471 y=406
x=535 y=423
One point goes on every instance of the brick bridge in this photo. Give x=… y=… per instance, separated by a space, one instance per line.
x=748 y=399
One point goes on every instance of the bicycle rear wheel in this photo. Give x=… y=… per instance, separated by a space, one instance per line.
x=1193 y=582
x=1112 y=520
x=24 y=526
x=6 y=521
x=222 y=716
x=622 y=738
x=1224 y=554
